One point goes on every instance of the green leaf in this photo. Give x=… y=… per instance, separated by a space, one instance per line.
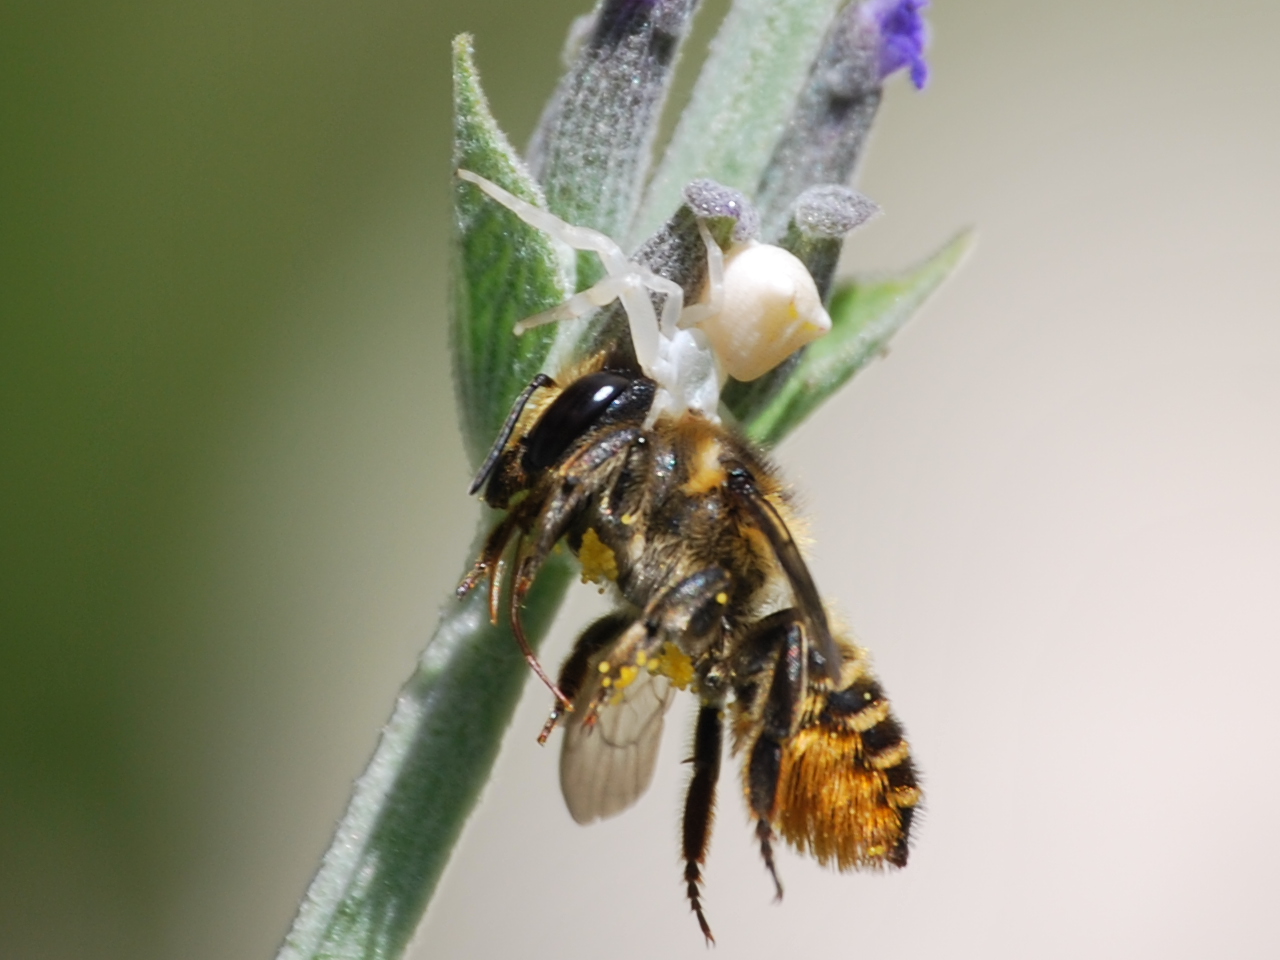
x=594 y=144
x=503 y=269
x=436 y=752
x=408 y=808
x=740 y=104
x=864 y=316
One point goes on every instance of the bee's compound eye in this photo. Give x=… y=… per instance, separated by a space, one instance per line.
x=582 y=405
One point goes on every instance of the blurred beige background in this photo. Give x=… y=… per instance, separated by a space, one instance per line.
x=233 y=494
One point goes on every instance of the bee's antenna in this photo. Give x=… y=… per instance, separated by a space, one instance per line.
x=504 y=435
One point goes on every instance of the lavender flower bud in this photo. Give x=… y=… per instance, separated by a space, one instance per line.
x=833 y=114
x=822 y=216
x=592 y=148
x=902 y=36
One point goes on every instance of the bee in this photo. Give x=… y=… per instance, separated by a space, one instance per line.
x=622 y=456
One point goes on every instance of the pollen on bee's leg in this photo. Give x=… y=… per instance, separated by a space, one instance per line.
x=598 y=560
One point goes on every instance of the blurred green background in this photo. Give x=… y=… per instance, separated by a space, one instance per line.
x=232 y=491
x=223 y=343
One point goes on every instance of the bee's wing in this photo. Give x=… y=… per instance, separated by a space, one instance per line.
x=771 y=524
x=607 y=765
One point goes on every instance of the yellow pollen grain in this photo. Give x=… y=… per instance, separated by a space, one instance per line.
x=722 y=598
x=627 y=519
x=599 y=563
x=626 y=676
x=641 y=658
x=604 y=666
x=607 y=682
x=675 y=665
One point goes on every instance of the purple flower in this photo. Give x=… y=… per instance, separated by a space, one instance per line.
x=902 y=36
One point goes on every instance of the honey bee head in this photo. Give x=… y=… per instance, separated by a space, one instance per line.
x=539 y=433
x=595 y=400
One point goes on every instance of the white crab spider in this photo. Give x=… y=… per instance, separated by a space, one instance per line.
x=760 y=306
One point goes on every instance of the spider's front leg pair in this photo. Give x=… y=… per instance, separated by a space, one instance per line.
x=625 y=280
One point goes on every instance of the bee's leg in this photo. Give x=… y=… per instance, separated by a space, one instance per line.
x=584 y=475
x=552 y=522
x=489 y=563
x=687 y=615
x=549 y=513
x=561 y=506
x=517 y=628
x=757 y=651
x=573 y=672
x=693 y=607
x=699 y=806
x=777 y=723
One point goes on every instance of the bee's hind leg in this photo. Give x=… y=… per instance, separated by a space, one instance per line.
x=573 y=672
x=699 y=805
x=665 y=638
x=784 y=633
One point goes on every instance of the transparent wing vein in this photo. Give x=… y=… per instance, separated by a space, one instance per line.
x=605 y=767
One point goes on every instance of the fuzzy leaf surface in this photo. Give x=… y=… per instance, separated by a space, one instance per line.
x=503 y=269
x=741 y=101
x=409 y=806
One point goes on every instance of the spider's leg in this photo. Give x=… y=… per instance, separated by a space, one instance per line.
x=643 y=323
x=674 y=303
x=580 y=238
x=696 y=313
x=605 y=292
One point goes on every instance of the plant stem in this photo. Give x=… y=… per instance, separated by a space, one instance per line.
x=435 y=755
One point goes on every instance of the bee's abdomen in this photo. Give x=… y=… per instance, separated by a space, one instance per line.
x=847 y=790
